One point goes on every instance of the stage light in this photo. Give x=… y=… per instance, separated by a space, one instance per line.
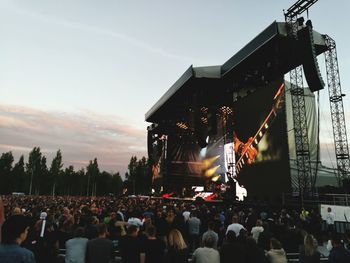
x=204 y=110
x=182 y=125
x=226 y=110
x=207 y=162
x=204 y=120
x=215 y=178
x=211 y=171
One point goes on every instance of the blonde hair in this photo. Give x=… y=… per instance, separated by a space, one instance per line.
x=309 y=245
x=176 y=240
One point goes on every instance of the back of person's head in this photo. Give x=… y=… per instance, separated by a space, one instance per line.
x=336 y=239
x=234 y=219
x=194 y=213
x=16 y=211
x=211 y=225
x=176 y=240
x=275 y=244
x=119 y=217
x=209 y=241
x=259 y=222
x=151 y=231
x=309 y=244
x=131 y=230
x=101 y=229
x=79 y=232
x=243 y=233
x=13 y=228
x=231 y=236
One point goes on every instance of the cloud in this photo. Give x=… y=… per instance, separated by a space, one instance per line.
x=102 y=31
x=81 y=136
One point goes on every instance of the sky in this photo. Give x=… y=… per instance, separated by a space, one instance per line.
x=79 y=75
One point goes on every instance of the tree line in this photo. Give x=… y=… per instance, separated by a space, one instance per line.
x=35 y=177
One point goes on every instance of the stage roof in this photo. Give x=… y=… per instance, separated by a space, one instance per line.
x=269 y=55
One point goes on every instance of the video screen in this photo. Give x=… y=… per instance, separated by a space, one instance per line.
x=245 y=140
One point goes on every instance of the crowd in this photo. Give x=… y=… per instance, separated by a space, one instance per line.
x=148 y=230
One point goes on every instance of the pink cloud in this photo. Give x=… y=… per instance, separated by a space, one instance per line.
x=80 y=136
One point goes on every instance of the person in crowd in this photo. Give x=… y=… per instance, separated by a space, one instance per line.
x=265 y=237
x=257 y=229
x=14 y=233
x=161 y=225
x=64 y=232
x=338 y=253
x=235 y=226
x=43 y=241
x=17 y=211
x=120 y=223
x=254 y=254
x=276 y=254
x=100 y=249
x=91 y=231
x=212 y=233
x=250 y=220
x=206 y=254
x=308 y=252
x=179 y=221
x=130 y=245
x=177 y=248
x=194 y=224
x=330 y=218
x=153 y=248
x=230 y=249
x=186 y=214
x=76 y=247
x=134 y=220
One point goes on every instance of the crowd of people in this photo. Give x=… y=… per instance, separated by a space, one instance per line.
x=150 y=230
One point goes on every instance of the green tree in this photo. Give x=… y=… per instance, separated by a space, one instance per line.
x=55 y=170
x=117 y=184
x=92 y=173
x=6 y=181
x=20 y=177
x=37 y=170
x=80 y=182
x=68 y=179
x=132 y=175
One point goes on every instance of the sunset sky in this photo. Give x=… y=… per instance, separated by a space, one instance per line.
x=79 y=75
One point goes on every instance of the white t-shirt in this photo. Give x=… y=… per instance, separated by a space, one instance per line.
x=256 y=232
x=235 y=227
x=206 y=255
x=330 y=218
x=186 y=215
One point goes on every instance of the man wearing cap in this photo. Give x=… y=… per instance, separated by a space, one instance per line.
x=14 y=232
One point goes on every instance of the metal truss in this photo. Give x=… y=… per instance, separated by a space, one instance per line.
x=304 y=185
x=337 y=111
